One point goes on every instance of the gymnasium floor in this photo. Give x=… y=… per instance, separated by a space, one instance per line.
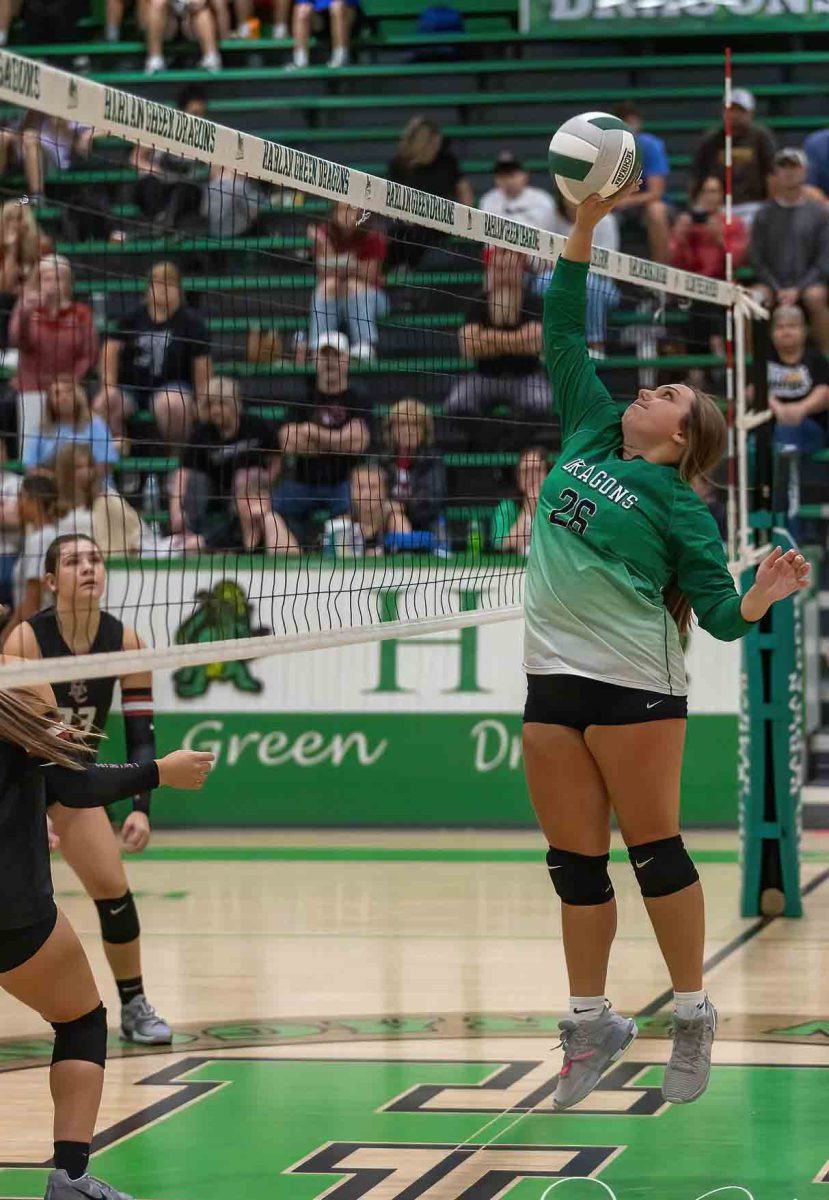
x=355 y=1013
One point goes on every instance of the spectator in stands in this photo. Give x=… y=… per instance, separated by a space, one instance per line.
x=158 y=358
x=66 y=419
x=374 y=513
x=349 y=260
x=790 y=246
x=647 y=206
x=502 y=336
x=37 y=512
x=700 y=238
x=816 y=149
x=327 y=435
x=512 y=521
x=512 y=196
x=22 y=244
x=197 y=21
x=9 y=527
x=55 y=336
x=753 y=157
x=342 y=15
x=78 y=481
x=169 y=187
x=798 y=382
x=50 y=144
x=602 y=292
x=218 y=490
x=417 y=476
x=424 y=160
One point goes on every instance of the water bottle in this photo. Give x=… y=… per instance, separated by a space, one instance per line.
x=474 y=540
x=440 y=542
x=151 y=500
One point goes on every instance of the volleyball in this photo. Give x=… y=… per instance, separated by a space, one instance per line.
x=594 y=152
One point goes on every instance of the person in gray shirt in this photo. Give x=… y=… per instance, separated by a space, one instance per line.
x=790 y=246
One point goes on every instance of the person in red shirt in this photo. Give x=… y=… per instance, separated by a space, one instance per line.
x=700 y=238
x=349 y=257
x=55 y=336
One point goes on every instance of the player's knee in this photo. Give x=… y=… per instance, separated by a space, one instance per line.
x=119 y=919
x=84 y=1039
x=580 y=879
x=663 y=867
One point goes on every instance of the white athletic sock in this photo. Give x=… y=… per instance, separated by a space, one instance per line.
x=688 y=1005
x=300 y=58
x=587 y=1008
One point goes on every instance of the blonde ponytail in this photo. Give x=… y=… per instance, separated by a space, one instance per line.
x=26 y=721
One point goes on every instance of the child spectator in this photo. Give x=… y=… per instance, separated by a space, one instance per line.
x=327 y=435
x=374 y=513
x=753 y=157
x=349 y=260
x=502 y=336
x=67 y=418
x=798 y=383
x=416 y=474
x=37 y=510
x=790 y=245
x=647 y=206
x=512 y=520
x=158 y=358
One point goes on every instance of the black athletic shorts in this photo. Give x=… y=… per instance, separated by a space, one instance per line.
x=17 y=946
x=577 y=702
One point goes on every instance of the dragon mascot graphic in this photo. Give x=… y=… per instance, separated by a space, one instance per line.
x=222 y=613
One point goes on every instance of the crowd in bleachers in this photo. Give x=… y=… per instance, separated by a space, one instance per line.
x=130 y=416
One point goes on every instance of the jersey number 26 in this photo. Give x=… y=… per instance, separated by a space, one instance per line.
x=574 y=513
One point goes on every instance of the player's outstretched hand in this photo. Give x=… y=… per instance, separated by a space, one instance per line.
x=591 y=210
x=780 y=575
x=186 y=769
x=135 y=832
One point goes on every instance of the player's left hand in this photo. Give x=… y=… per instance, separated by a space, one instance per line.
x=135 y=832
x=780 y=575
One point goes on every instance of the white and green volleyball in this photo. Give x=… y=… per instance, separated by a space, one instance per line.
x=594 y=152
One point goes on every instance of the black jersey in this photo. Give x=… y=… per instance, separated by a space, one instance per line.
x=26 y=786
x=84 y=703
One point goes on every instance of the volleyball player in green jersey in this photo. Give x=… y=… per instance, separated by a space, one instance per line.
x=622 y=551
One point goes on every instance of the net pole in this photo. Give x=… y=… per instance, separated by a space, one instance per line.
x=744 y=531
x=732 y=474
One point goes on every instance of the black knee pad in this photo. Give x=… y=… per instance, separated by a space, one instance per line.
x=84 y=1039
x=119 y=919
x=662 y=867
x=580 y=879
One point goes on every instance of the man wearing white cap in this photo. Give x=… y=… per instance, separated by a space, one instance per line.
x=752 y=156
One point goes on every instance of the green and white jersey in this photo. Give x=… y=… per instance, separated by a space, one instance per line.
x=609 y=534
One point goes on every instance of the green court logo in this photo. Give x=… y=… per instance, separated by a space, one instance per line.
x=222 y=613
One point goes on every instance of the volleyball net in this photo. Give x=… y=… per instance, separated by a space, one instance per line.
x=297 y=404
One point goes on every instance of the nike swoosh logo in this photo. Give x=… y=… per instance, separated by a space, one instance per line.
x=645 y=863
x=581 y=1010
x=113 y=912
x=654 y=704
x=558 y=868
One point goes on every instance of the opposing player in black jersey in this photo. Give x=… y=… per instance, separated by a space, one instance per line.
x=42 y=962
x=75 y=574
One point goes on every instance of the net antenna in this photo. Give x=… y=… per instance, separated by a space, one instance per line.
x=319 y=600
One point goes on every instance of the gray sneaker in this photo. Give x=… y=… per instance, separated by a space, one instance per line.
x=687 y=1072
x=141 y=1023
x=60 y=1187
x=590 y=1047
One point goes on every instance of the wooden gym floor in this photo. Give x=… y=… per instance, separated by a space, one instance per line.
x=373 y=1015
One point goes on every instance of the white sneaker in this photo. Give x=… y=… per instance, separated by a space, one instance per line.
x=339 y=58
x=154 y=64
x=299 y=61
x=279 y=32
x=211 y=62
